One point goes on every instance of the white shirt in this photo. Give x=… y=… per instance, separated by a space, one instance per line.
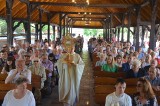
x=27 y=100
x=26 y=73
x=124 y=100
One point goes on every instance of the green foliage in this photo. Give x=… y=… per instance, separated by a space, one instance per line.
x=3 y=27
x=93 y=32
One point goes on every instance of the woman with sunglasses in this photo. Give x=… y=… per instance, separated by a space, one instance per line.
x=37 y=69
x=145 y=95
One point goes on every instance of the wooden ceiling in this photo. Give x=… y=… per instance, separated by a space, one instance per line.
x=97 y=11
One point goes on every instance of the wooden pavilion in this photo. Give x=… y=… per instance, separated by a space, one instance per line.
x=110 y=15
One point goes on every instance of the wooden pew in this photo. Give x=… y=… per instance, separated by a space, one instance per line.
x=109 y=74
x=4 y=88
x=104 y=81
x=98 y=68
x=101 y=91
x=36 y=81
x=3 y=77
x=112 y=81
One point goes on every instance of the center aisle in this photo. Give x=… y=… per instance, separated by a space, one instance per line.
x=86 y=88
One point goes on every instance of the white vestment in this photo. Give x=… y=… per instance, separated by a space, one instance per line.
x=69 y=78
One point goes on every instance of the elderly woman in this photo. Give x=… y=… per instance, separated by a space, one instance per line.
x=145 y=95
x=135 y=71
x=110 y=66
x=37 y=69
x=20 y=96
x=153 y=79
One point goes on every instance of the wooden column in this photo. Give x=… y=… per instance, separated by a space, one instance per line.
x=54 y=34
x=36 y=31
x=64 y=25
x=129 y=24
x=28 y=27
x=143 y=32
x=40 y=24
x=122 y=36
x=110 y=26
x=9 y=4
x=138 y=13
x=48 y=21
x=60 y=25
x=118 y=33
x=153 y=39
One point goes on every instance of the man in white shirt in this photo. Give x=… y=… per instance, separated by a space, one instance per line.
x=119 y=98
x=20 y=70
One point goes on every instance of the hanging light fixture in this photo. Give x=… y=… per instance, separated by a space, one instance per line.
x=81 y=1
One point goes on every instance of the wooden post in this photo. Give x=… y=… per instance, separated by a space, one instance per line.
x=138 y=13
x=60 y=25
x=152 y=42
x=110 y=26
x=129 y=24
x=48 y=21
x=9 y=4
x=28 y=29
x=40 y=24
x=143 y=32
x=122 y=36
x=118 y=33
x=36 y=30
x=54 y=34
x=64 y=25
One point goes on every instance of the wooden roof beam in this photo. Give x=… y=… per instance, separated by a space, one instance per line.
x=84 y=5
x=92 y=13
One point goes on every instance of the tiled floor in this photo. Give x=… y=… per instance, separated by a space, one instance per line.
x=86 y=87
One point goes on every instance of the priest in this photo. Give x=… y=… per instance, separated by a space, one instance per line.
x=70 y=68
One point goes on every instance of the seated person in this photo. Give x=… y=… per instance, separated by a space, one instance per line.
x=20 y=96
x=153 y=79
x=3 y=57
x=37 y=69
x=127 y=66
x=153 y=63
x=136 y=71
x=119 y=61
x=20 y=70
x=119 y=97
x=9 y=65
x=101 y=61
x=110 y=66
x=145 y=95
x=146 y=61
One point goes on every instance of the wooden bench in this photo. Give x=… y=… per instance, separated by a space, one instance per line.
x=109 y=74
x=101 y=91
x=104 y=81
x=4 y=88
x=112 y=81
x=36 y=81
x=3 y=77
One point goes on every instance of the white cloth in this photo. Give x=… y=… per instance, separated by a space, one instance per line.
x=124 y=100
x=26 y=73
x=27 y=100
x=69 y=78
